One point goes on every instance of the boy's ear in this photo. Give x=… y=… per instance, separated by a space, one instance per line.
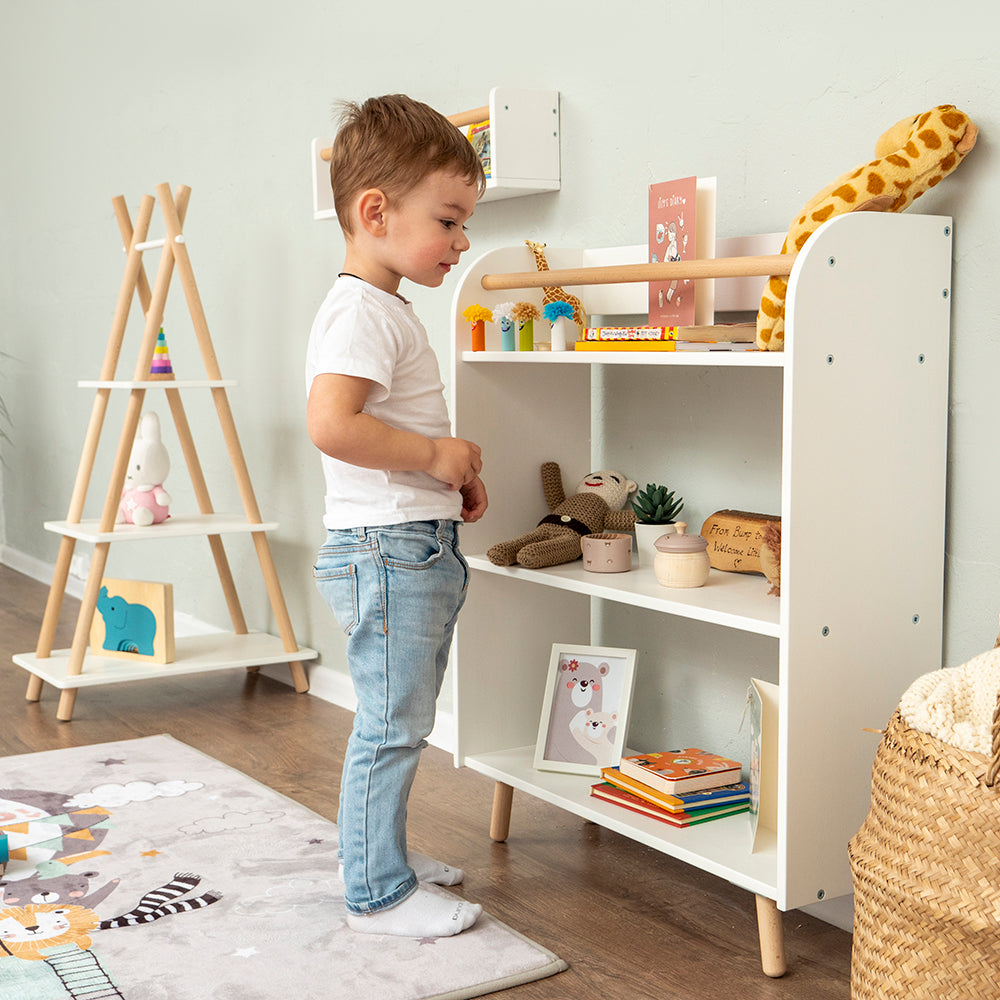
x=372 y=205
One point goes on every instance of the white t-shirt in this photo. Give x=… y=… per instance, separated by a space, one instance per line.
x=363 y=331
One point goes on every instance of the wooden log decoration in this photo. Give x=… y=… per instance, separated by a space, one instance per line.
x=735 y=538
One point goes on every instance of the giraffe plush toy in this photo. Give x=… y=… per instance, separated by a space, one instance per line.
x=911 y=158
x=553 y=293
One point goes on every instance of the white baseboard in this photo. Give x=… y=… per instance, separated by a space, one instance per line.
x=326 y=684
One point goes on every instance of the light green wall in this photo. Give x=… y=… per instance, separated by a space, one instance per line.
x=774 y=98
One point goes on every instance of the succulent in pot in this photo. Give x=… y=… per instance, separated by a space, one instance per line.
x=656 y=509
x=657 y=505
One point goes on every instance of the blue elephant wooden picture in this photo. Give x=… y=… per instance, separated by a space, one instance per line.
x=134 y=620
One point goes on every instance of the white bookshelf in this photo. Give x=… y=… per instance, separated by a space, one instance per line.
x=862 y=392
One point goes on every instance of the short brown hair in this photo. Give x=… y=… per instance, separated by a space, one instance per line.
x=393 y=143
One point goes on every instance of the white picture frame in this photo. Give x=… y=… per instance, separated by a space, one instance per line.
x=585 y=709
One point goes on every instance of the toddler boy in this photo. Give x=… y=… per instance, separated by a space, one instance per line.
x=405 y=181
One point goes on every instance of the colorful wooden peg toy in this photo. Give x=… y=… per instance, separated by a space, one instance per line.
x=525 y=313
x=560 y=314
x=503 y=314
x=478 y=316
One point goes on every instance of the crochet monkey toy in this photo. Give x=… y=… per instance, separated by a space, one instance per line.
x=595 y=507
x=911 y=158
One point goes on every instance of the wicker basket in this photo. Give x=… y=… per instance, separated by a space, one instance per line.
x=926 y=872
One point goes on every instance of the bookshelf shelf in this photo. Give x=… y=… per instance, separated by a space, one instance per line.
x=855 y=407
x=731 y=599
x=720 y=847
x=694 y=359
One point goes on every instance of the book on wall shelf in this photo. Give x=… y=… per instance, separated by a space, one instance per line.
x=687 y=770
x=682 y=227
x=736 y=792
x=479 y=135
x=634 y=803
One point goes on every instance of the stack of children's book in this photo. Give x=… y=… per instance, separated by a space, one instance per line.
x=679 y=787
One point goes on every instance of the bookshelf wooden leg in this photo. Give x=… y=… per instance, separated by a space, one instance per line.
x=35 y=685
x=503 y=798
x=772 y=938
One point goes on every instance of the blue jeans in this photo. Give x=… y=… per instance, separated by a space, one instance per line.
x=396 y=591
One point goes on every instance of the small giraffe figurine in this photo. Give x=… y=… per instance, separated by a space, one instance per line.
x=553 y=293
x=911 y=158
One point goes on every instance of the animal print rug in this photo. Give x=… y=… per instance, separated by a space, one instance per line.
x=145 y=870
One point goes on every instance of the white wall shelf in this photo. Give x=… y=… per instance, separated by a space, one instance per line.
x=861 y=394
x=524 y=143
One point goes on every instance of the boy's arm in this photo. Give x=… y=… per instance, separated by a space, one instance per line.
x=339 y=428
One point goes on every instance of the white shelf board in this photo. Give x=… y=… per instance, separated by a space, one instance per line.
x=736 y=600
x=747 y=359
x=499 y=188
x=181 y=526
x=197 y=654
x=721 y=846
x=159 y=383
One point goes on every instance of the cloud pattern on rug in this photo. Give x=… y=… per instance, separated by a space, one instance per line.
x=53 y=924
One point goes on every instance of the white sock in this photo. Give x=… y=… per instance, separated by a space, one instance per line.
x=435 y=872
x=426 y=870
x=423 y=914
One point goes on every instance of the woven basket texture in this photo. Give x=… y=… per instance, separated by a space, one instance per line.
x=926 y=873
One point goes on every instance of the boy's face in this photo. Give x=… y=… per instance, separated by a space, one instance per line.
x=424 y=236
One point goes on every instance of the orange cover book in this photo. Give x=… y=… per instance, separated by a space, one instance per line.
x=681 y=770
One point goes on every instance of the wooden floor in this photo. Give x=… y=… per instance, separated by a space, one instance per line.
x=631 y=923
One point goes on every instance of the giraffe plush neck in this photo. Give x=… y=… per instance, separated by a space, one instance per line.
x=553 y=293
x=912 y=157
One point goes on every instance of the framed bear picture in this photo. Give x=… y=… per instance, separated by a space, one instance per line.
x=588 y=693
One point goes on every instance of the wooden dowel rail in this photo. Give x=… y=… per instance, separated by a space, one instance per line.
x=464 y=118
x=720 y=267
x=459 y=120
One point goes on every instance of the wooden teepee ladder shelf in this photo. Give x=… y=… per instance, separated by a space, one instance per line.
x=153 y=300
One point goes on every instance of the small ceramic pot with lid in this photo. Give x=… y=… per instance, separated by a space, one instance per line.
x=681 y=559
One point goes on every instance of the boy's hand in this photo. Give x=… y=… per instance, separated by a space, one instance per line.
x=455 y=461
x=473 y=500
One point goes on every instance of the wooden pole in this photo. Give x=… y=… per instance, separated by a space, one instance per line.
x=133 y=267
x=229 y=432
x=182 y=198
x=719 y=267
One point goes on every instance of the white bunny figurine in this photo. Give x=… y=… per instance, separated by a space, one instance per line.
x=144 y=500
